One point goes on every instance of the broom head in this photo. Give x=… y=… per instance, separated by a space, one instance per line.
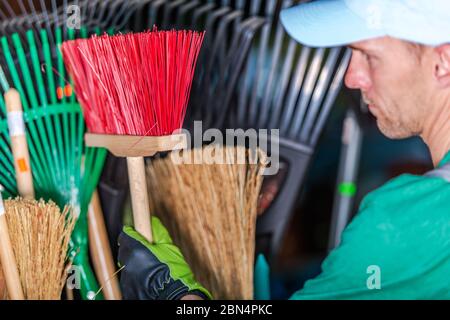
x=135 y=84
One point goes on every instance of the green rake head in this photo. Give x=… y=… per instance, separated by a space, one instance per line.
x=64 y=169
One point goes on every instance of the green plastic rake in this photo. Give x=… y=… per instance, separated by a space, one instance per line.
x=64 y=169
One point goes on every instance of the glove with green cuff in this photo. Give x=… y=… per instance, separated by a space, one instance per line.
x=155 y=271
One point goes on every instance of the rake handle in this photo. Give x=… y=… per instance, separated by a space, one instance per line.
x=19 y=145
x=101 y=252
x=8 y=259
x=139 y=196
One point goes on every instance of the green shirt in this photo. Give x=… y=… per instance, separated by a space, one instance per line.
x=401 y=237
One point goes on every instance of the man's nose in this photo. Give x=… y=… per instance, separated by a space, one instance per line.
x=356 y=77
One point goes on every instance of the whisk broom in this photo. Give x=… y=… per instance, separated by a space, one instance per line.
x=210 y=210
x=134 y=90
x=40 y=235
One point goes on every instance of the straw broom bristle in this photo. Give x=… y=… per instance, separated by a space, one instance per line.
x=40 y=235
x=210 y=211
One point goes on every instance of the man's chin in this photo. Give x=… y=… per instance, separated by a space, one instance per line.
x=393 y=132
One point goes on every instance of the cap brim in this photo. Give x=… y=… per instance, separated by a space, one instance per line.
x=326 y=23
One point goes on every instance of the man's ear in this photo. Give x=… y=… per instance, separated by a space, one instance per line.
x=442 y=68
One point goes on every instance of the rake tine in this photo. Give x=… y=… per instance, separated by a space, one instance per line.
x=333 y=91
x=22 y=7
x=2 y=16
x=267 y=95
x=221 y=34
x=128 y=11
x=11 y=12
x=243 y=109
x=319 y=92
x=271 y=8
x=84 y=7
x=200 y=77
x=54 y=14
x=306 y=92
x=210 y=22
x=64 y=25
x=181 y=16
x=112 y=5
x=240 y=4
x=204 y=54
x=201 y=11
x=116 y=15
x=230 y=18
x=3 y=24
x=126 y=18
x=255 y=6
x=282 y=84
x=45 y=12
x=94 y=9
x=249 y=29
x=169 y=7
x=298 y=78
x=103 y=13
x=138 y=23
x=261 y=59
x=33 y=13
x=22 y=15
x=153 y=10
x=91 y=7
x=36 y=17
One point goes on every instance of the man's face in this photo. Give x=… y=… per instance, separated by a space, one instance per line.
x=392 y=80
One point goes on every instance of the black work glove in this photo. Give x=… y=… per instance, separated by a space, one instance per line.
x=155 y=271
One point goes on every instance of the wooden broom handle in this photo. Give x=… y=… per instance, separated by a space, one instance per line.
x=101 y=251
x=19 y=144
x=8 y=260
x=139 y=196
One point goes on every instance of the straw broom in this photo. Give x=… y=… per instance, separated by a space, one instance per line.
x=40 y=235
x=210 y=211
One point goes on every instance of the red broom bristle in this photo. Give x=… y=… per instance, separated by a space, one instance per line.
x=134 y=84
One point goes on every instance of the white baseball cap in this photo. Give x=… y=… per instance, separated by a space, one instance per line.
x=329 y=23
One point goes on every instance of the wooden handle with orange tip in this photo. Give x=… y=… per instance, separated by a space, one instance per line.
x=8 y=259
x=19 y=145
x=101 y=252
x=139 y=196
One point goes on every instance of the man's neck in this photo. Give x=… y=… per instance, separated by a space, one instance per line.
x=436 y=133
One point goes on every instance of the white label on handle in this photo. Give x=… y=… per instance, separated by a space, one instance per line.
x=2 y=208
x=16 y=124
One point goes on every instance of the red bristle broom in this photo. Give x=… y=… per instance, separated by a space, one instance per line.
x=134 y=90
